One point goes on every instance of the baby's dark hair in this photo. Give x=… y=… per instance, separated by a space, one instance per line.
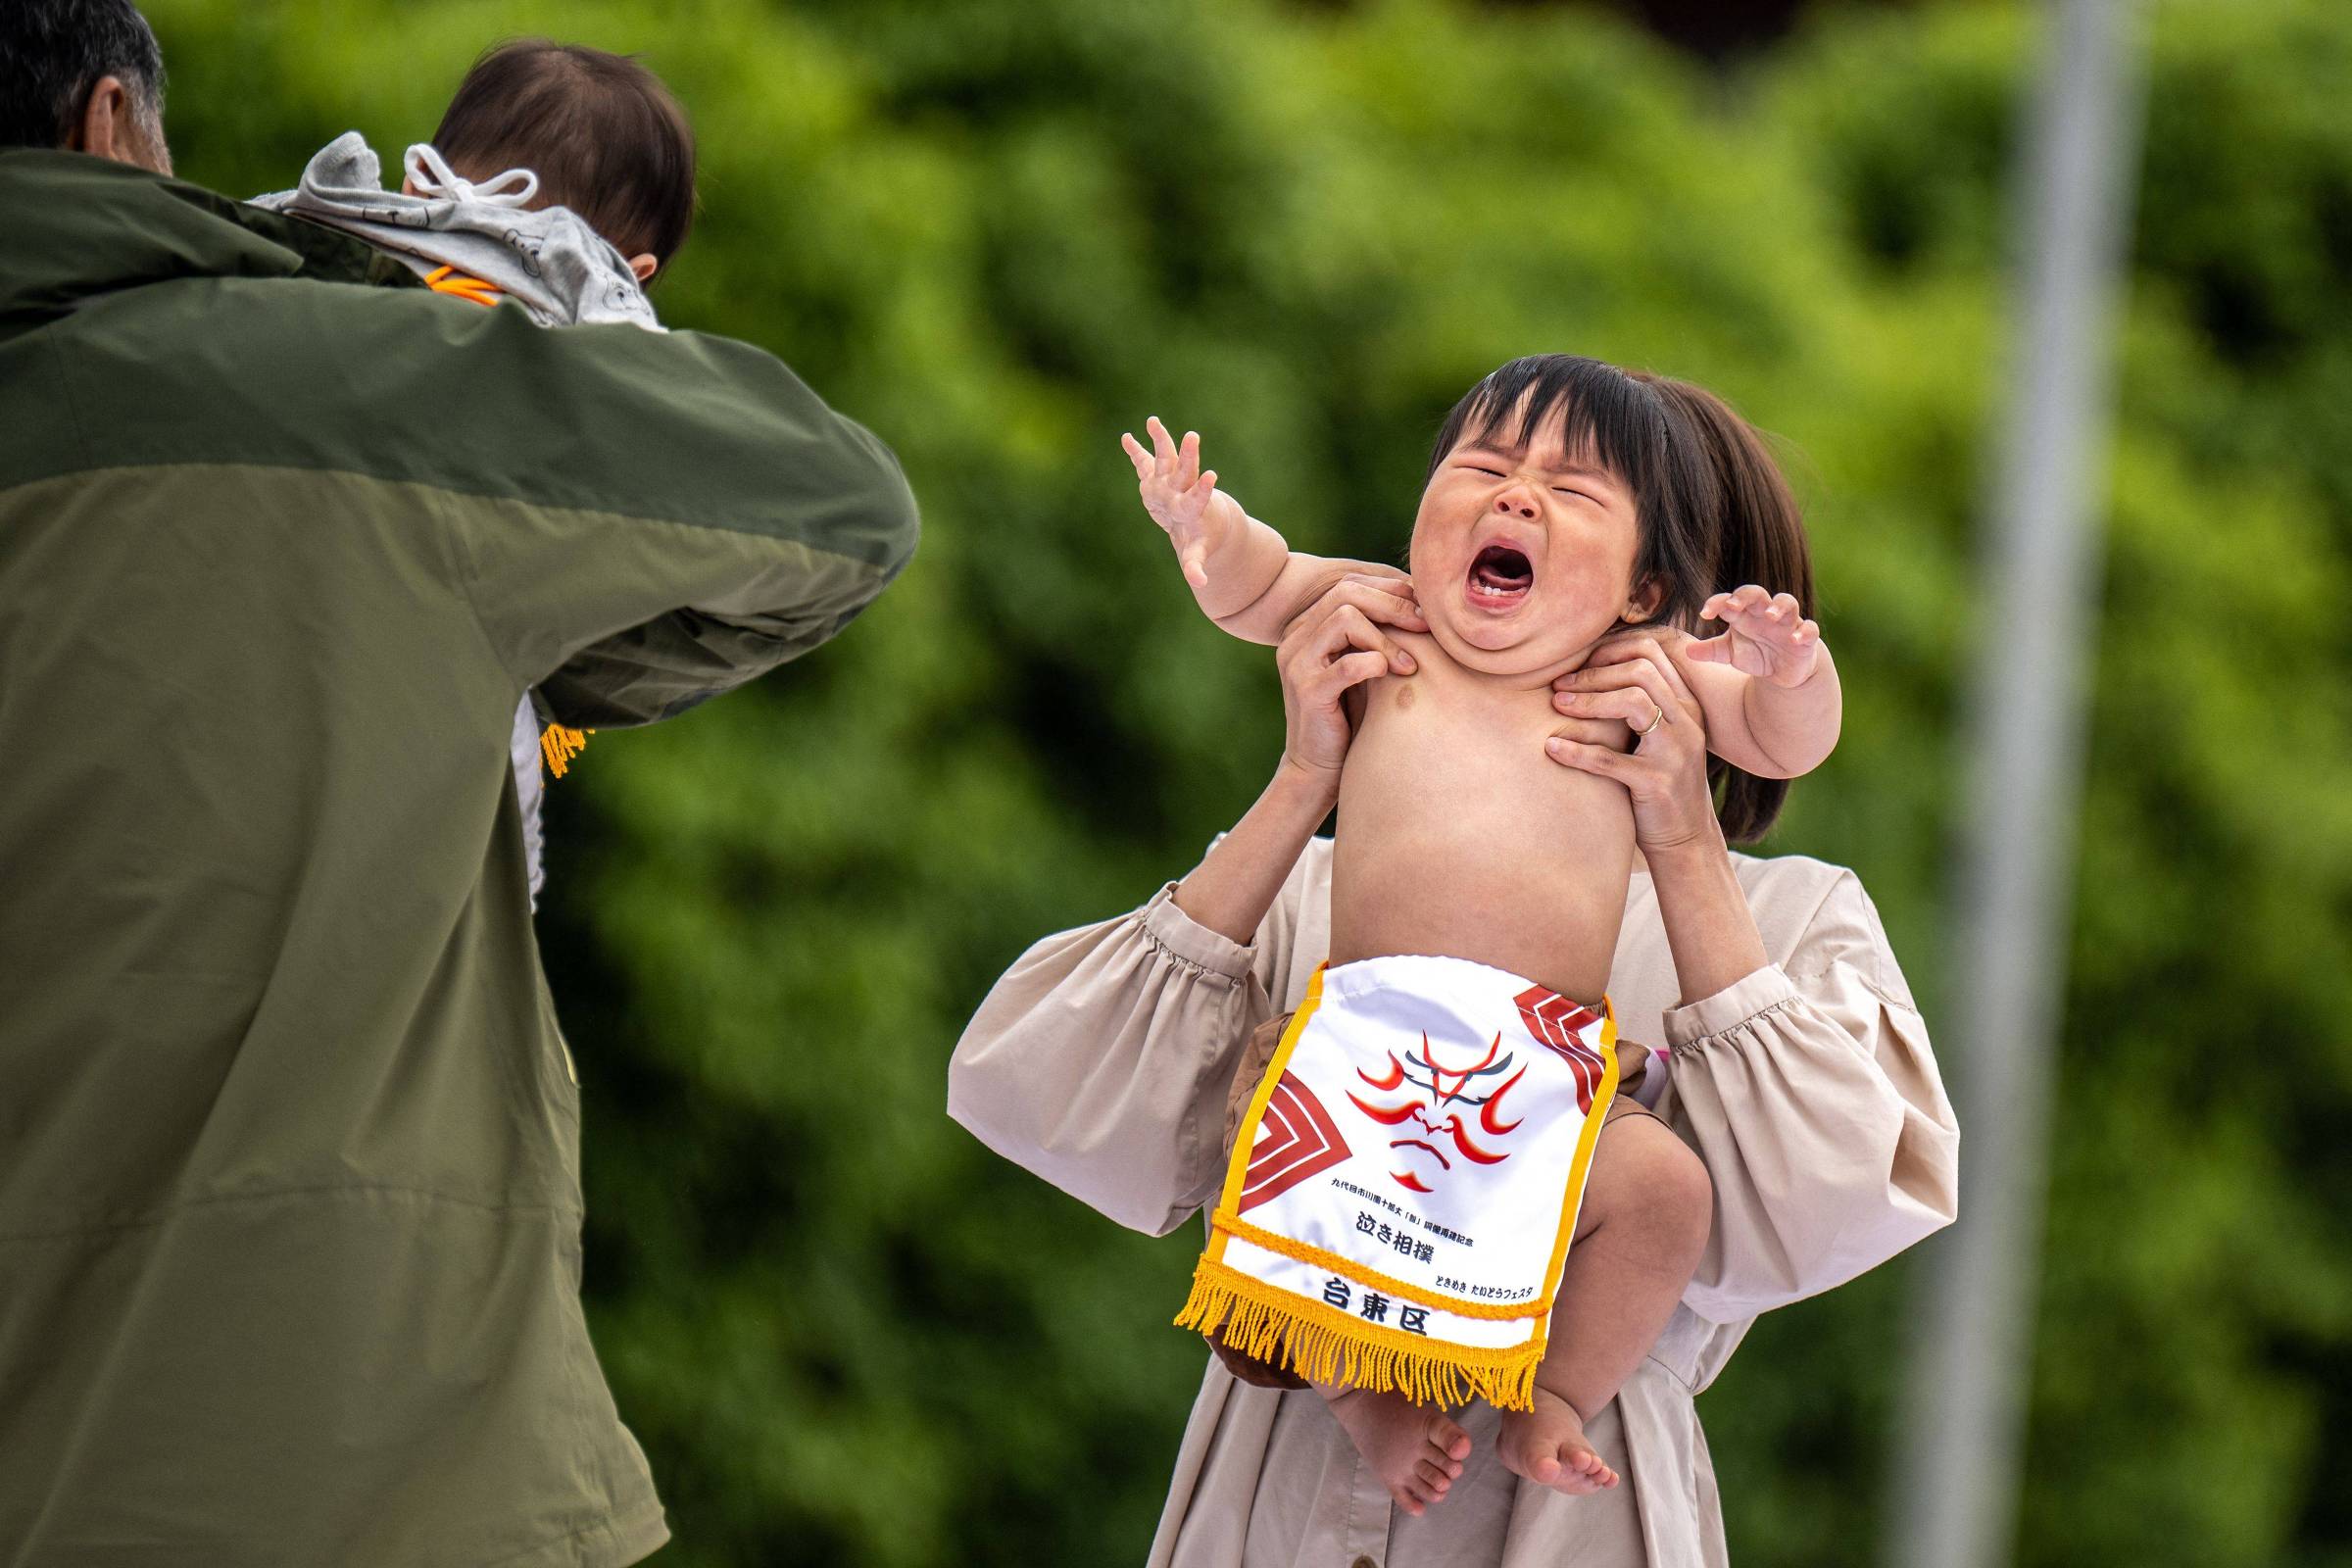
x=1713 y=509
x=1759 y=537
x=601 y=131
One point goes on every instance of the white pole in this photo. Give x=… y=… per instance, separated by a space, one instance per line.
x=1958 y=1476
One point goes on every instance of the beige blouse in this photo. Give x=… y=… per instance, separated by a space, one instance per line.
x=1100 y=1063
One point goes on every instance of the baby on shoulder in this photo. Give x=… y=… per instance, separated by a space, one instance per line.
x=560 y=180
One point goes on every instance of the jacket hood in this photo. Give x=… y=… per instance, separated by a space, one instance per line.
x=547 y=260
x=80 y=228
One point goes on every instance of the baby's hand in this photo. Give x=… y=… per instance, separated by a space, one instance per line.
x=1186 y=503
x=1767 y=636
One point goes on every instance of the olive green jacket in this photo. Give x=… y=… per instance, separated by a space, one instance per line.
x=289 y=1195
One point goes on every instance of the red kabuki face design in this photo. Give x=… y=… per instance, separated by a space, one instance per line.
x=1447 y=1102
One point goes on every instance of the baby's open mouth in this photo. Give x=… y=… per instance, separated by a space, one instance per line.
x=1500 y=578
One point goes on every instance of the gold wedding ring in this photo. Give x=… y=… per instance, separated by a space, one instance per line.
x=1640 y=734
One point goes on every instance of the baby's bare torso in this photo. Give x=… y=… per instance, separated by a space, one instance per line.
x=1458 y=836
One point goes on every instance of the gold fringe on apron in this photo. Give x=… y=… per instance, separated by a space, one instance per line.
x=1271 y=1325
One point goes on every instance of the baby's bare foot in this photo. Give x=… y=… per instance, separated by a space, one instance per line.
x=1414 y=1449
x=1548 y=1446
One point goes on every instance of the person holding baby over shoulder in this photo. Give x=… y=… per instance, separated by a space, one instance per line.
x=1461 y=1278
x=290 y=1202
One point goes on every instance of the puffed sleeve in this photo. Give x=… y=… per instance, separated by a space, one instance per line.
x=1810 y=1090
x=1102 y=1059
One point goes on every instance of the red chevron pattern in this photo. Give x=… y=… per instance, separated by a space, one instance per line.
x=1296 y=1140
x=1559 y=1024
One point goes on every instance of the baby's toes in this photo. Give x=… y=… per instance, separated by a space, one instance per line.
x=1581 y=1472
x=1449 y=1439
x=1433 y=1481
x=1521 y=1452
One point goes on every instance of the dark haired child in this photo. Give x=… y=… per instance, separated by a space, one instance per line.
x=1409 y=1171
x=560 y=179
x=603 y=133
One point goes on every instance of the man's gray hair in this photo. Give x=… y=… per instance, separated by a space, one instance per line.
x=52 y=53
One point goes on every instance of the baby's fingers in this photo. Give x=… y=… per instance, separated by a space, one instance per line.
x=1188 y=460
x=1193 y=558
x=1163 y=445
x=1136 y=455
x=1741 y=600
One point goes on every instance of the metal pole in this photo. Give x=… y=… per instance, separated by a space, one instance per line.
x=1957 y=1479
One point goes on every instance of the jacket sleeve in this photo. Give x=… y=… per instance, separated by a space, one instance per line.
x=1810 y=1090
x=1102 y=1059
x=691 y=514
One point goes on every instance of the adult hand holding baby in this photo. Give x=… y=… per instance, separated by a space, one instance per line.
x=1332 y=648
x=1326 y=651
x=1630 y=681
x=1630 y=686
x=1641 y=676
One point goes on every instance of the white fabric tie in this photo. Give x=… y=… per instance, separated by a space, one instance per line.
x=430 y=172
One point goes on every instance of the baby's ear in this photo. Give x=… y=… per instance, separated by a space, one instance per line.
x=1642 y=602
x=644 y=265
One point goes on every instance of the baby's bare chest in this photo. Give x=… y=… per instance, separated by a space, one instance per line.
x=1459 y=835
x=1481 y=739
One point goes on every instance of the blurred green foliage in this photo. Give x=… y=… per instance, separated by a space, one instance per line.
x=1000 y=231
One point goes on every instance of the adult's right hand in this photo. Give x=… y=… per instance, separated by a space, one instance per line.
x=1334 y=646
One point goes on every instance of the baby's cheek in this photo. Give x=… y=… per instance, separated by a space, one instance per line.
x=1583 y=605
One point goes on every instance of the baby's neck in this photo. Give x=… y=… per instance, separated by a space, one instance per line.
x=1498 y=668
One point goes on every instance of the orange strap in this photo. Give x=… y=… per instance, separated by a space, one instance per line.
x=449 y=281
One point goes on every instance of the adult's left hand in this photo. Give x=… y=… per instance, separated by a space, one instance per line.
x=1631 y=679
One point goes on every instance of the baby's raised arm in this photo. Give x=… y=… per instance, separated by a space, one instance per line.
x=1768 y=686
x=1244 y=575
